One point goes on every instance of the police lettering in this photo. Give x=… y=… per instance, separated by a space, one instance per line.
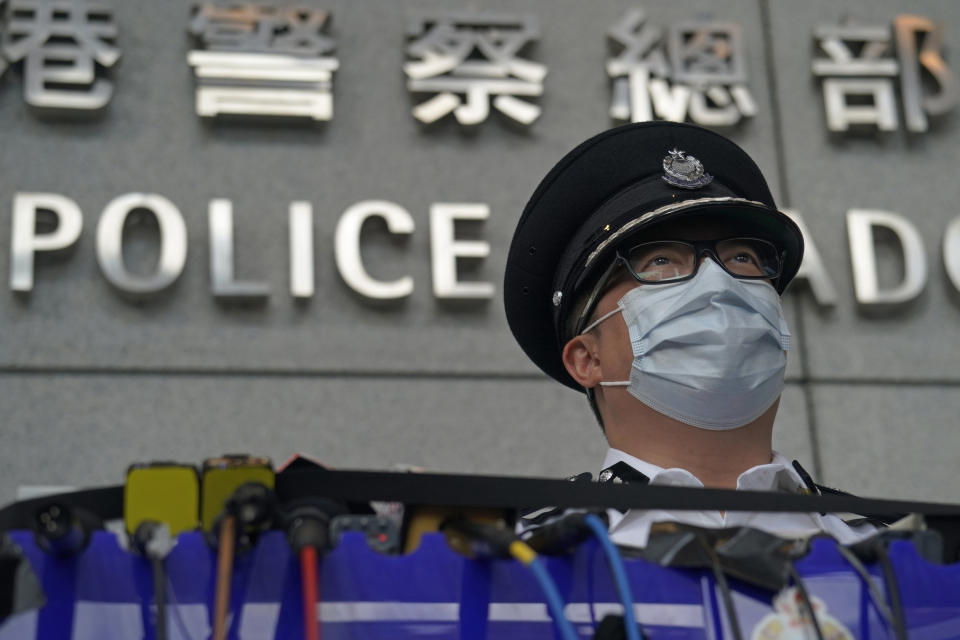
x=66 y=224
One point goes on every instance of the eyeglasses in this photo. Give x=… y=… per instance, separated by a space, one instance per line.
x=665 y=261
x=672 y=260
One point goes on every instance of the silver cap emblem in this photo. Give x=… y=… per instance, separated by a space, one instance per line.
x=684 y=171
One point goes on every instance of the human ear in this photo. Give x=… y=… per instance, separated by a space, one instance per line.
x=581 y=357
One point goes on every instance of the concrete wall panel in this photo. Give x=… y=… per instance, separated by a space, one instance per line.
x=908 y=173
x=892 y=441
x=86 y=429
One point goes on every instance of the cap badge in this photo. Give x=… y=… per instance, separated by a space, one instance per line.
x=684 y=171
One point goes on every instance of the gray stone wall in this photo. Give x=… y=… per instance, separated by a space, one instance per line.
x=91 y=381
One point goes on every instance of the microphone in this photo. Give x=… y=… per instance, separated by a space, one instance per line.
x=160 y=500
x=308 y=532
x=61 y=530
x=222 y=505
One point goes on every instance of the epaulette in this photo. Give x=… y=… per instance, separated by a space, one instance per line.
x=851 y=519
x=538 y=516
x=618 y=473
x=622 y=473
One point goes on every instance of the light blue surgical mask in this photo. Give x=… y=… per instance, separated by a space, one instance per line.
x=709 y=352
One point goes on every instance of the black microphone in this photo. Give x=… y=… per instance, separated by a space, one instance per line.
x=61 y=530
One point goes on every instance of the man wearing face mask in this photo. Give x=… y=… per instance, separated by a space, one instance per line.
x=646 y=271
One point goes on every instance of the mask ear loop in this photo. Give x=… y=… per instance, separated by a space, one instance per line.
x=590 y=327
x=596 y=322
x=579 y=330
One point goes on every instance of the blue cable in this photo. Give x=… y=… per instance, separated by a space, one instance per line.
x=554 y=601
x=599 y=530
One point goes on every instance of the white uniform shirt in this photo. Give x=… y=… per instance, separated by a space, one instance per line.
x=633 y=528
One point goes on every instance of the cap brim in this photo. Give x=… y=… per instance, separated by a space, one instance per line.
x=740 y=217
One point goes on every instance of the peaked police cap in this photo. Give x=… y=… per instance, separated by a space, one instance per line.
x=609 y=192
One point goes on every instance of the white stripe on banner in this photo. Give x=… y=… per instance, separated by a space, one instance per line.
x=666 y=615
x=99 y=620
x=258 y=620
x=705 y=594
x=661 y=615
x=670 y=615
x=383 y=611
x=19 y=627
x=518 y=612
x=187 y=621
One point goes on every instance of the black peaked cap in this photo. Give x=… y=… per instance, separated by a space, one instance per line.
x=601 y=197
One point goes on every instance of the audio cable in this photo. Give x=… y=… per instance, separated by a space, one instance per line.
x=599 y=530
x=248 y=511
x=225 y=550
x=499 y=541
x=805 y=600
x=725 y=593
x=875 y=596
x=308 y=532
x=152 y=539
x=310 y=586
x=522 y=552
x=893 y=591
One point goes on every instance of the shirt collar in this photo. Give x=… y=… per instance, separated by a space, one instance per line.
x=776 y=475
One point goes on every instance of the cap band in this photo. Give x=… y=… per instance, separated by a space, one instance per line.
x=668 y=208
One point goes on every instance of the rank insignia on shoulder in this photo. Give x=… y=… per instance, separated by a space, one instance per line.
x=622 y=473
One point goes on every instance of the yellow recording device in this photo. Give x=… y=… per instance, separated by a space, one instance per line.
x=162 y=492
x=222 y=476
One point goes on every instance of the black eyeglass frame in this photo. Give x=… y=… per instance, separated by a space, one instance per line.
x=701 y=247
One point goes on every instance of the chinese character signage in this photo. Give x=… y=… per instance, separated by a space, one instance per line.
x=466 y=62
x=271 y=61
x=65 y=48
x=694 y=71
x=859 y=65
x=256 y=60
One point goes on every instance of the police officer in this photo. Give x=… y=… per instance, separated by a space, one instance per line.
x=646 y=271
